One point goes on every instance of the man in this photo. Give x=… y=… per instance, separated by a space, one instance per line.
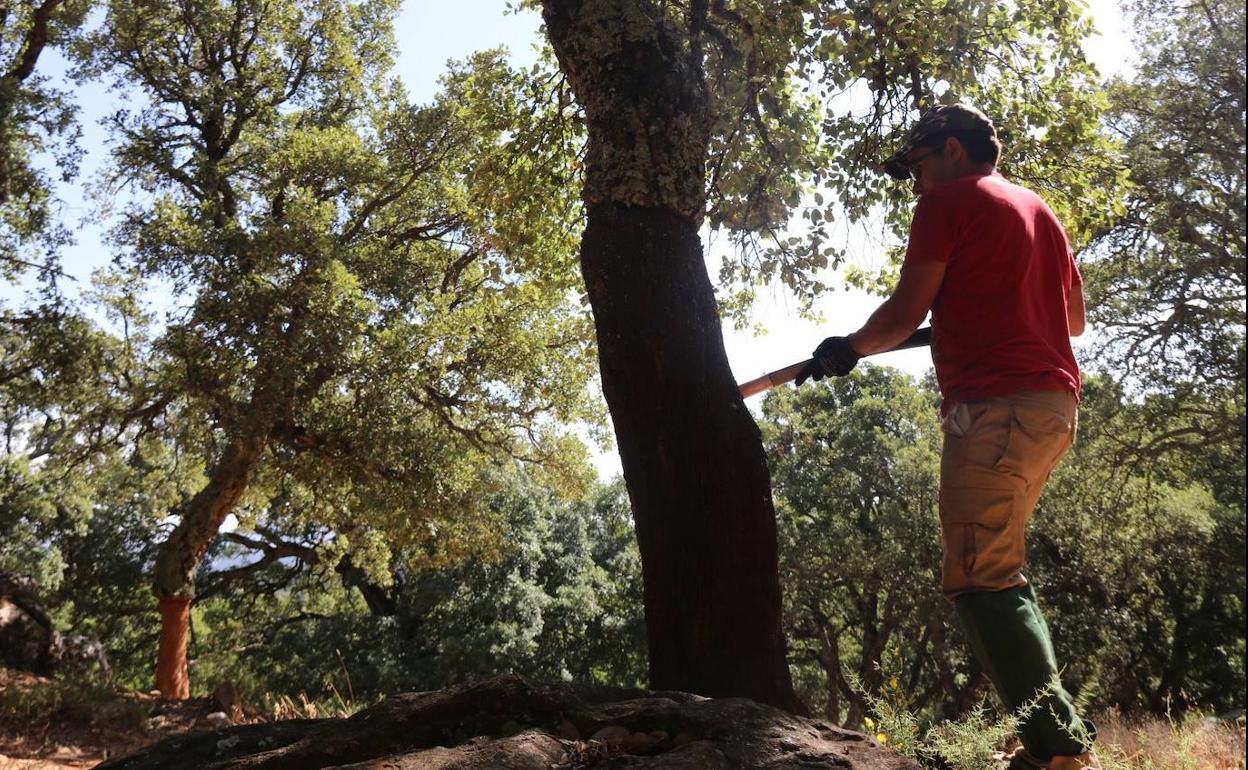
x=992 y=264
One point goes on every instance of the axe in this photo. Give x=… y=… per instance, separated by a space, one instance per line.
x=789 y=373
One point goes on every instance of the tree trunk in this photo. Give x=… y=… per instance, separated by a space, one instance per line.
x=692 y=459
x=1169 y=697
x=692 y=456
x=830 y=660
x=180 y=555
x=173 y=677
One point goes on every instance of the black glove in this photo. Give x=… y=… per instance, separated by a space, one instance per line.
x=834 y=357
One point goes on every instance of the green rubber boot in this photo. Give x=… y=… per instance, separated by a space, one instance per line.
x=1011 y=640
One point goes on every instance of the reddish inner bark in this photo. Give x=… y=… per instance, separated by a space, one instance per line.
x=172 y=676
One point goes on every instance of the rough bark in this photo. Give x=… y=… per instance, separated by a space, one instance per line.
x=641 y=85
x=181 y=554
x=692 y=456
x=30 y=641
x=509 y=723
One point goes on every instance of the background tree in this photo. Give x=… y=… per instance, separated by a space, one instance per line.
x=562 y=601
x=1111 y=548
x=853 y=466
x=50 y=356
x=1114 y=551
x=35 y=118
x=708 y=101
x=62 y=398
x=1166 y=297
x=1166 y=281
x=363 y=318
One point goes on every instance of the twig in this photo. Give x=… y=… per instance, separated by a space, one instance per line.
x=346 y=675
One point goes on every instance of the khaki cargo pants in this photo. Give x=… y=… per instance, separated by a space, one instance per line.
x=998 y=453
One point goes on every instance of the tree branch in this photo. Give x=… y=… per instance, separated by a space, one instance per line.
x=36 y=40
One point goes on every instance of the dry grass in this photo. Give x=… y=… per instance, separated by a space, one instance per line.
x=1193 y=743
x=285 y=707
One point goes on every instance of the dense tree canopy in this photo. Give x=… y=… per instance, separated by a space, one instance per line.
x=1144 y=564
x=805 y=99
x=855 y=466
x=562 y=601
x=361 y=317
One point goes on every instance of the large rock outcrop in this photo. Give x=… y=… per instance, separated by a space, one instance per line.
x=511 y=723
x=29 y=641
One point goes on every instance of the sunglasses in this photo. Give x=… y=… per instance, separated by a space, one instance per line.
x=914 y=166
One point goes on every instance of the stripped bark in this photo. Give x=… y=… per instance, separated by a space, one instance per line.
x=180 y=555
x=691 y=454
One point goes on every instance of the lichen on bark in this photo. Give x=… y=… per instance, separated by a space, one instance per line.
x=645 y=101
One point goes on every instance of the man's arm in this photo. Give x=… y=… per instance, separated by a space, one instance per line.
x=1075 y=310
x=901 y=314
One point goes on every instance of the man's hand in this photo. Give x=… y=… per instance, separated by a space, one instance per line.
x=834 y=357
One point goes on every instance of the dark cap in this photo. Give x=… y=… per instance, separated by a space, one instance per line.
x=949 y=120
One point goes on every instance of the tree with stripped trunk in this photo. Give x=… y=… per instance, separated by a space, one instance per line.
x=365 y=308
x=722 y=113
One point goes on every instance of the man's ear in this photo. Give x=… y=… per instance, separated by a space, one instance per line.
x=954 y=150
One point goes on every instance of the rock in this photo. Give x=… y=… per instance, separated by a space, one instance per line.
x=527 y=750
x=511 y=723
x=642 y=743
x=567 y=731
x=27 y=639
x=30 y=642
x=611 y=734
x=218 y=720
x=83 y=654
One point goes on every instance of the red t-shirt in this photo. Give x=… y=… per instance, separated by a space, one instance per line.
x=999 y=320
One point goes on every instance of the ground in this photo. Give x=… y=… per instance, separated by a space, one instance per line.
x=45 y=724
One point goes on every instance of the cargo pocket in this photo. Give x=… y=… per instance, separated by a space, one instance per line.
x=974 y=523
x=976 y=437
x=1038 y=440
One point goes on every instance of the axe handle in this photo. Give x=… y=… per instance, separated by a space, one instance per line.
x=789 y=373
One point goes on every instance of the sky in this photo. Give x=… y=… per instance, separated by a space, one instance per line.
x=429 y=33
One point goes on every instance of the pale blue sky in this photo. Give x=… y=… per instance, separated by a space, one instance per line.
x=430 y=32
